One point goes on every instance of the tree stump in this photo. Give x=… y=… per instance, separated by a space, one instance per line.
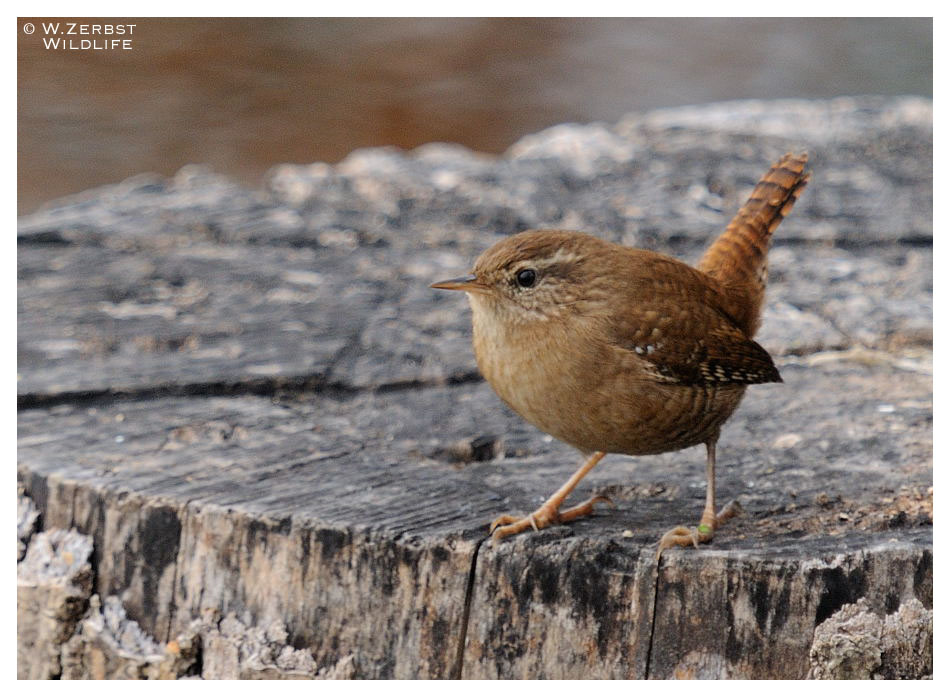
x=273 y=435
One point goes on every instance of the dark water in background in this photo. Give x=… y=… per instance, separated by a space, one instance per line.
x=245 y=94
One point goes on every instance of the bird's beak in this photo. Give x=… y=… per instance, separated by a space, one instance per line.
x=468 y=283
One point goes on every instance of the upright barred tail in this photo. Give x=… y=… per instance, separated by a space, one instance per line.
x=738 y=258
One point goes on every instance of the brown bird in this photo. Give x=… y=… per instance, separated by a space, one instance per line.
x=619 y=350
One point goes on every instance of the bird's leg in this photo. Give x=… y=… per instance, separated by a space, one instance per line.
x=711 y=520
x=549 y=512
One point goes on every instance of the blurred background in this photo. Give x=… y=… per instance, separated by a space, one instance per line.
x=244 y=94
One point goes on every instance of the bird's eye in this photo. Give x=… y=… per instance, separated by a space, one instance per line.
x=526 y=278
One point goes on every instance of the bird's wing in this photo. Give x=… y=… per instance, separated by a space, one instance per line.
x=719 y=356
x=679 y=329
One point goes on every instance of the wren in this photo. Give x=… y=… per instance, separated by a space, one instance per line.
x=618 y=350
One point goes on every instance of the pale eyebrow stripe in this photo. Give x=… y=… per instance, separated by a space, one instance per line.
x=561 y=257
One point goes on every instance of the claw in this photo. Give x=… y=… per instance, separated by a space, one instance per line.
x=730 y=510
x=548 y=513
x=505 y=525
x=678 y=536
x=501 y=520
x=682 y=537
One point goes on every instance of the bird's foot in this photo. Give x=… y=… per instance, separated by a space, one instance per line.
x=684 y=537
x=548 y=514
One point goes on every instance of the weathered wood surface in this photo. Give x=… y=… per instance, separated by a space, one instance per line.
x=266 y=422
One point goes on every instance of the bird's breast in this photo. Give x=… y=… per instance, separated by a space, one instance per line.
x=572 y=383
x=516 y=358
x=544 y=369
